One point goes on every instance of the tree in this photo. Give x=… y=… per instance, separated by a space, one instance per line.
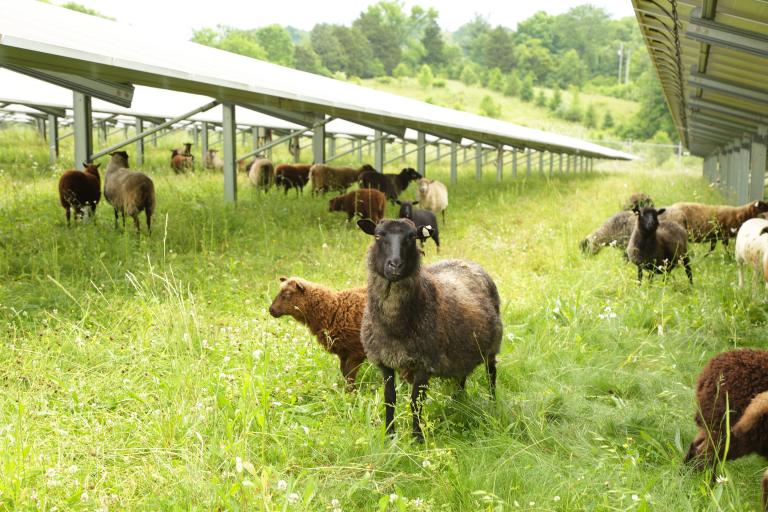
x=489 y=108
x=327 y=47
x=358 y=54
x=432 y=41
x=590 y=117
x=306 y=59
x=570 y=70
x=539 y=26
x=652 y=115
x=526 y=91
x=556 y=100
x=513 y=84
x=471 y=38
x=534 y=58
x=608 y=120
x=385 y=26
x=574 y=112
x=277 y=42
x=495 y=80
x=425 y=76
x=401 y=70
x=468 y=74
x=239 y=42
x=541 y=99
x=498 y=49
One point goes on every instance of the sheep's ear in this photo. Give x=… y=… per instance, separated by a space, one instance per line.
x=300 y=287
x=98 y=165
x=397 y=201
x=85 y=164
x=415 y=202
x=367 y=225
x=635 y=210
x=661 y=210
x=424 y=232
x=282 y=279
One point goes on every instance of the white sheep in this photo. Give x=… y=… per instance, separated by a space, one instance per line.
x=433 y=196
x=752 y=248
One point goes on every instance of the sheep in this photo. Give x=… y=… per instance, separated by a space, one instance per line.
x=367 y=202
x=325 y=177
x=261 y=173
x=420 y=218
x=186 y=150
x=442 y=320
x=638 y=200
x=710 y=223
x=732 y=397
x=179 y=162
x=657 y=246
x=391 y=184
x=78 y=189
x=752 y=248
x=334 y=318
x=615 y=231
x=213 y=160
x=433 y=196
x=292 y=176
x=128 y=191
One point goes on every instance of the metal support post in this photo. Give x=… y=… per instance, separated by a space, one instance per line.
x=757 y=164
x=478 y=161
x=360 y=150
x=318 y=144
x=204 y=142
x=742 y=194
x=560 y=164
x=541 y=163
x=500 y=164
x=454 y=159
x=229 y=147
x=551 y=163
x=421 y=153
x=331 y=146
x=528 y=162
x=568 y=164
x=514 y=163
x=82 y=127
x=379 y=149
x=404 y=149
x=139 y=124
x=53 y=138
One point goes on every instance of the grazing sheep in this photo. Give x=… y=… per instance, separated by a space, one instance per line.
x=332 y=317
x=179 y=162
x=637 y=201
x=710 y=223
x=292 y=176
x=213 y=160
x=261 y=173
x=128 y=191
x=325 y=178
x=441 y=320
x=420 y=218
x=80 y=188
x=391 y=184
x=657 y=246
x=732 y=397
x=366 y=202
x=615 y=231
x=432 y=196
x=752 y=248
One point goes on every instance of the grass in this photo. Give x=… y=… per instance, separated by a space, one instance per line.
x=457 y=95
x=146 y=374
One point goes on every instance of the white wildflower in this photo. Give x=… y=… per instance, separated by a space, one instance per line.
x=335 y=503
x=238 y=464
x=721 y=479
x=635 y=497
x=556 y=498
x=305 y=429
x=247 y=483
x=282 y=485
x=425 y=463
x=256 y=354
x=293 y=497
x=392 y=498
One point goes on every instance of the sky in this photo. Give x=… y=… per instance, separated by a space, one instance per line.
x=178 y=18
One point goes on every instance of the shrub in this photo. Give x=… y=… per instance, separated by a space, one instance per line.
x=425 y=76
x=496 y=80
x=556 y=100
x=590 y=117
x=526 y=90
x=468 y=75
x=663 y=148
x=439 y=83
x=384 y=79
x=574 y=112
x=489 y=108
x=402 y=70
x=608 y=120
x=541 y=99
x=513 y=85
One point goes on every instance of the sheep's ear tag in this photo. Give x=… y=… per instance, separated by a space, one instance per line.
x=425 y=231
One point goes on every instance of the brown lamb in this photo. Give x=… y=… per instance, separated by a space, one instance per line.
x=736 y=380
x=367 y=202
x=325 y=178
x=179 y=162
x=333 y=317
x=78 y=189
x=292 y=176
x=710 y=223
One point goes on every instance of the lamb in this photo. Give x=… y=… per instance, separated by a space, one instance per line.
x=442 y=320
x=179 y=162
x=292 y=176
x=717 y=222
x=334 y=318
x=420 y=218
x=657 y=246
x=391 y=184
x=262 y=173
x=128 y=191
x=732 y=388
x=366 y=202
x=325 y=177
x=433 y=196
x=752 y=248
x=213 y=160
x=638 y=200
x=80 y=189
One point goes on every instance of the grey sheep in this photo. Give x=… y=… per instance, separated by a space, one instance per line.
x=442 y=320
x=420 y=218
x=129 y=192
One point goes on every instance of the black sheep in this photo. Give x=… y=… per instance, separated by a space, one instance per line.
x=420 y=218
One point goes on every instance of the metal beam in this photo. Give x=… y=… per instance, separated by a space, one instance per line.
x=528 y=162
x=292 y=116
x=514 y=163
x=478 y=161
x=53 y=137
x=55 y=111
x=139 y=124
x=707 y=119
x=757 y=164
x=500 y=164
x=153 y=131
x=421 y=153
x=703 y=104
x=726 y=87
x=318 y=144
x=379 y=150
x=454 y=161
x=203 y=142
x=720 y=34
x=82 y=128
x=743 y=171
x=229 y=145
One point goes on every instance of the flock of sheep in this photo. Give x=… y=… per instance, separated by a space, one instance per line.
x=443 y=319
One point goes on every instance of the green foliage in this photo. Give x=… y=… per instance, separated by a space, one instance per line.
x=570 y=70
x=495 y=80
x=468 y=75
x=541 y=99
x=526 y=91
x=277 y=43
x=653 y=114
x=402 y=70
x=439 y=83
x=556 y=100
x=432 y=41
x=608 y=120
x=74 y=6
x=307 y=60
x=590 y=117
x=385 y=26
x=534 y=59
x=664 y=149
x=498 y=49
x=574 y=112
x=513 y=84
x=489 y=108
x=425 y=76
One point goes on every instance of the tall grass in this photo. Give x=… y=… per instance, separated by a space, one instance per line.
x=145 y=372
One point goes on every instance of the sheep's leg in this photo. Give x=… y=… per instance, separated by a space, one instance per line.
x=349 y=367
x=68 y=214
x=740 y=269
x=490 y=368
x=136 y=222
x=687 y=265
x=148 y=214
x=695 y=447
x=122 y=214
x=462 y=383
x=390 y=396
x=639 y=274
x=418 y=395
x=443 y=217
x=712 y=244
x=115 y=218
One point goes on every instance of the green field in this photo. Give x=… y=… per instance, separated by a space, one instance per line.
x=146 y=373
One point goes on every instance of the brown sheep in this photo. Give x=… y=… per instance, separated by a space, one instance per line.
x=737 y=381
x=325 y=178
x=179 y=162
x=334 y=318
x=78 y=189
x=710 y=223
x=129 y=192
x=292 y=176
x=615 y=231
x=367 y=202
x=261 y=173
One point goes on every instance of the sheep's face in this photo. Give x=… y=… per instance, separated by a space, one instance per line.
x=423 y=186
x=760 y=207
x=335 y=204
x=410 y=174
x=394 y=254
x=120 y=158
x=367 y=167
x=289 y=298
x=648 y=218
x=406 y=209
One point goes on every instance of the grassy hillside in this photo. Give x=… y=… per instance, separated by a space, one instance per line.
x=145 y=373
x=457 y=95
